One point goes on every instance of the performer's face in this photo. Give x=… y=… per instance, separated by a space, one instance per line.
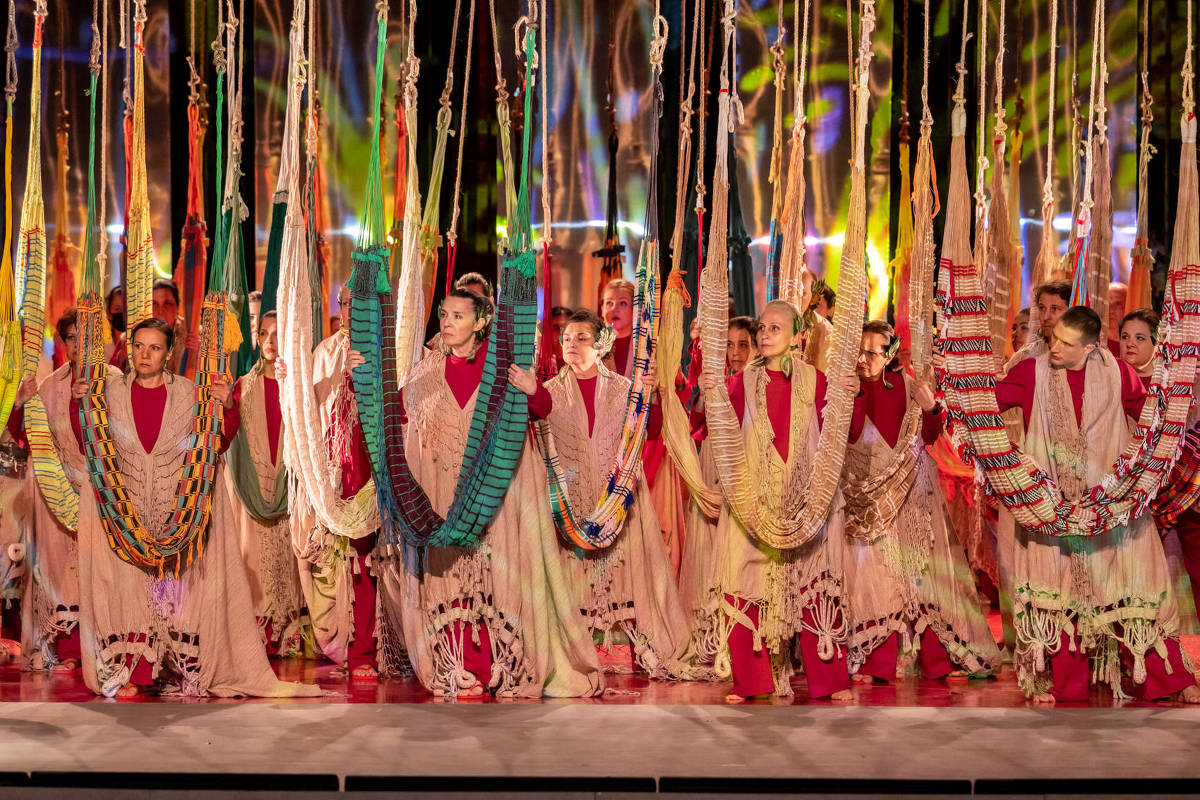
x=1067 y=349
x=1137 y=342
x=149 y=352
x=267 y=339
x=1020 y=331
x=1118 y=293
x=1050 y=308
x=872 y=356
x=458 y=323
x=579 y=346
x=71 y=345
x=165 y=307
x=739 y=349
x=255 y=309
x=775 y=335
x=344 y=307
x=617 y=310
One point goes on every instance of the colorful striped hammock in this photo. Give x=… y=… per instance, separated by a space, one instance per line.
x=1140 y=471
x=498 y=424
x=181 y=541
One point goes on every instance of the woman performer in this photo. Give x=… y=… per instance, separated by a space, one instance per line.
x=616 y=306
x=908 y=578
x=770 y=595
x=1138 y=336
x=497 y=617
x=50 y=606
x=194 y=633
x=628 y=588
x=257 y=477
x=1106 y=597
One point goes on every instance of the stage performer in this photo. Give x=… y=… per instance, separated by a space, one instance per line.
x=336 y=572
x=1118 y=295
x=166 y=308
x=1105 y=598
x=114 y=309
x=1138 y=335
x=700 y=574
x=907 y=575
x=616 y=306
x=771 y=595
x=256 y=476
x=193 y=633
x=1050 y=302
x=629 y=588
x=50 y=606
x=497 y=617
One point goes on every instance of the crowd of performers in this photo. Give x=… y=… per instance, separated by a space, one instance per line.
x=896 y=582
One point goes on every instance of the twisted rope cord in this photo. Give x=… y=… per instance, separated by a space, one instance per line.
x=504 y=116
x=981 y=162
x=923 y=259
x=1083 y=217
x=793 y=250
x=1142 y=258
x=452 y=232
x=10 y=328
x=1048 y=254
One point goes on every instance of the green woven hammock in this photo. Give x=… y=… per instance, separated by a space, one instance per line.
x=181 y=540
x=497 y=433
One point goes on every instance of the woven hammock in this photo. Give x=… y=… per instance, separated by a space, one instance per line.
x=775 y=171
x=922 y=259
x=181 y=540
x=793 y=251
x=11 y=368
x=805 y=508
x=497 y=432
x=193 y=246
x=312 y=478
x=1035 y=501
x=60 y=495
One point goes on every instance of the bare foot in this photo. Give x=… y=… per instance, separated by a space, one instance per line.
x=862 y=677
x=129 y=690
x=67 y=665
x=365 y=673
x=958 y=675
x=1190 y=695
x=474 y=691
x=843 y=696
x=1045 y=699
x=734 y=699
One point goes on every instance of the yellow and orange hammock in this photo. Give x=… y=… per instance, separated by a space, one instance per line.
x=60 y=495
x=10 y=328
x=1140 y=471
x=181 y=540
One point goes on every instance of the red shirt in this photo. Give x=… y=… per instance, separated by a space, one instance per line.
x=886 y=409
x=622 y=347
x=541 y=404
x=779 y=405
x=1017 y=389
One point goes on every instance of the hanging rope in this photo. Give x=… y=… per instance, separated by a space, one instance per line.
x=923 y=259
x=452 y=231
x=193 y=248
x=794 y=250
x=1036 y=502
x=1142 y=259
x=775 y=172
x=505 y=118
x=676 y=433
x=611 y=255
x=790 y=519
x=1047 y=258
x=1099 y=258
x=600 y=528
x=546 y=363
x=1083 y=220
x=61 y=292
x=899 y=269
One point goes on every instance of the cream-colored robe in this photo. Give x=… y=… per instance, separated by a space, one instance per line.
x=1110 y=589
x=783 y=583
x=513 y=582
x=199 y=626
x=700 y=572
x=271 y=564
x=630 y=586
x=912 y=574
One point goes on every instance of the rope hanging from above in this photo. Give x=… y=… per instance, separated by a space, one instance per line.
x=193 y=247
x=794 y=251
x=1036 y=502
x=900 y=269
x=1047 y=257
x=799 y=515
x=1142 y=259
x=1082 y=289
x=923 y=258
x=676 y=433
x=11 y=368
x=175 y=545
x=61 y=290
x=612 y=254
x=600 y=528
x=775 y=173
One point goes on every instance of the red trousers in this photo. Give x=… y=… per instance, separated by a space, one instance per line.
x=752 y=668
x=1070 y=672
x=934 y=659
x=361 y=651
x=68 y=646
x=477 y=658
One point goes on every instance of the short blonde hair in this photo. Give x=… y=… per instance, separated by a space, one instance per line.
x=620 y=285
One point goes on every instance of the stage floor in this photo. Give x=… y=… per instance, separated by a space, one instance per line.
x=921 y=738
